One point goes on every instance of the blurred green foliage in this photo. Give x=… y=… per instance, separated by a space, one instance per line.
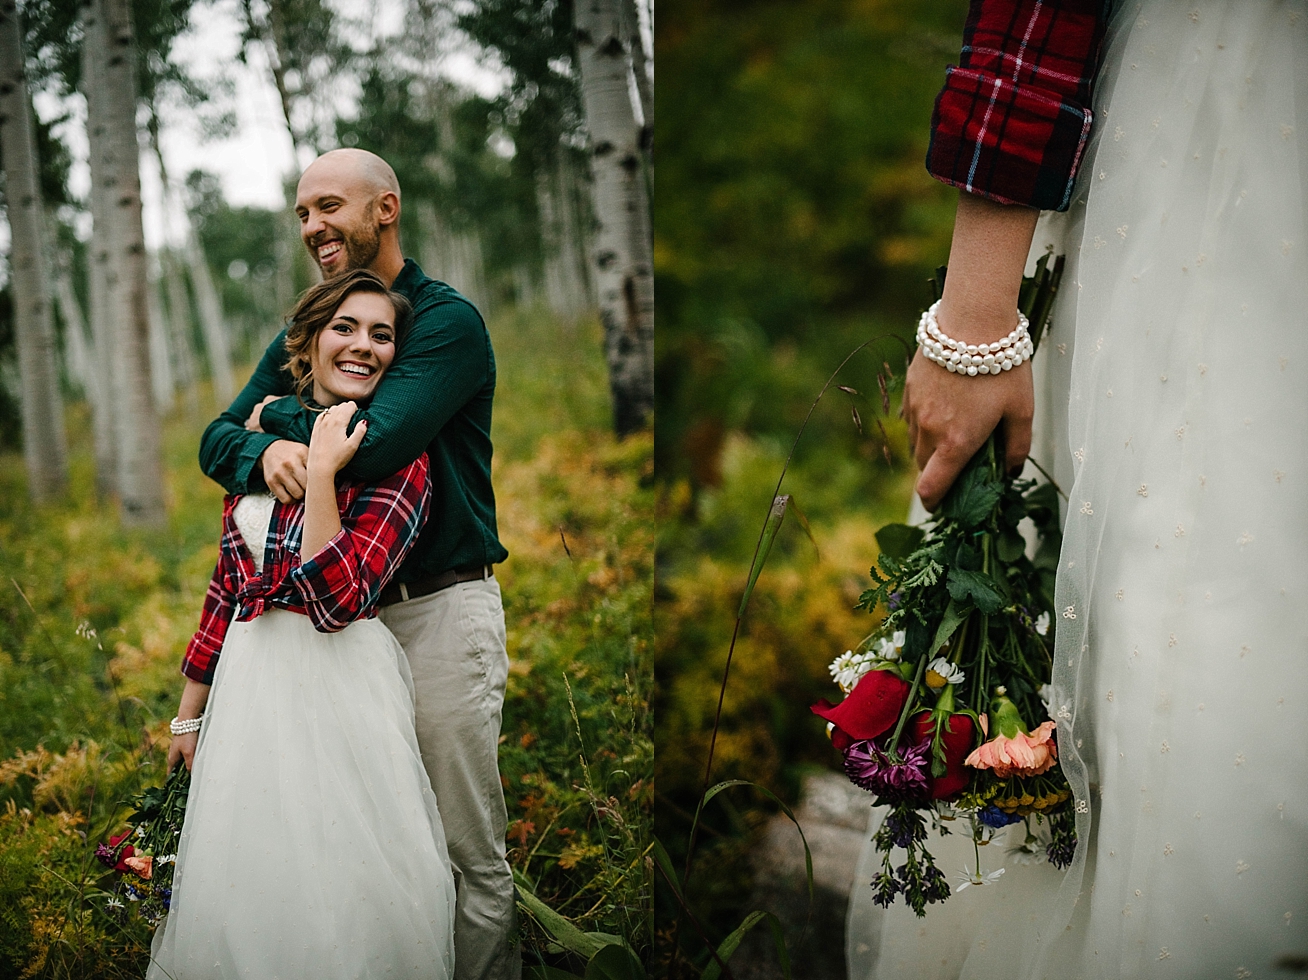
x=794 y=221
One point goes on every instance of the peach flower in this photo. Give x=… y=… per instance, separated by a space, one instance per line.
x=143 y=867
x=1014 y=751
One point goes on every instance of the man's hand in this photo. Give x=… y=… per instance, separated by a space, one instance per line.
x=252 y=424
x=286 y=469
x=950 y=416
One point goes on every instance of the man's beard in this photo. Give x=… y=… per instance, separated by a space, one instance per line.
x=360 y=244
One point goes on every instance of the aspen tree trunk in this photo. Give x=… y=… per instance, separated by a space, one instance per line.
x=140 y=464
x=179 y=329
x=44 y=445
x=76 y=348
x=103 y=404
x=161 y=367
x=565 y=284
x=622 y=261
x=212 y=322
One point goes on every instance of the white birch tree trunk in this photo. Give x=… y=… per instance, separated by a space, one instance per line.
x=565 y=281
x=622 y=261
x=212 y=322
x=77 y=349
x=138 y=443
x=179 y=330
x=161 y=367
x=103 y=404
x=44 y=443
x=453 y=256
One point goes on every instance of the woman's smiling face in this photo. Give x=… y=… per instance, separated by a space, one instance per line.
x=352 y=352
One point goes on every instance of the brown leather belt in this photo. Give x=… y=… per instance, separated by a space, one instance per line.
x=404 y=591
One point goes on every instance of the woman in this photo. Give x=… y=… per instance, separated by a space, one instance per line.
x=1172 y=408
x=312 y=845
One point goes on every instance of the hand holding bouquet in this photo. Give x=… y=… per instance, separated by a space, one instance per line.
x=947 y=712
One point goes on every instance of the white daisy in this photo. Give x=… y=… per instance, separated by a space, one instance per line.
x=976 y=878
x=940 y=672
x=1042 y=623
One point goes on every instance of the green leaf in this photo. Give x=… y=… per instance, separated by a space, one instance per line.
x=949 y=625
x=899 y=540
x=1010 y=546
x=614 y=963
x=733 y=941
x=728 y=783
x=977 y=587
x=974 y=496
x=561 y=930
x=770 y=528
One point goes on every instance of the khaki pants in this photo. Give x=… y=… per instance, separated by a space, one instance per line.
x=455 y=643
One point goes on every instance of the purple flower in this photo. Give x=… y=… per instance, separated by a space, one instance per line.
x=105 y=855
x=894 y=600
x=904 y=828
x=869 y=766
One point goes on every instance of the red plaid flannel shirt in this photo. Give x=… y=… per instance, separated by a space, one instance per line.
x=1012 y=121
x=335 y=587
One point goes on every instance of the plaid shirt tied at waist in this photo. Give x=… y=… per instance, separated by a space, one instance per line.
x=338 y=585
x=1013 y=119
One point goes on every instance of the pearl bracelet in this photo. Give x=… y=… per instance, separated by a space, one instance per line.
x=178 y=727
x=973 y=359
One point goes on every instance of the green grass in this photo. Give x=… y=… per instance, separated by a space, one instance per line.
x=94 y=619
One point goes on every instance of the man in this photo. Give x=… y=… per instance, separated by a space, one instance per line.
x=444 y=605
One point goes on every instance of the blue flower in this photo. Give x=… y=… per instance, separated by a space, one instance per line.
x=995 y=818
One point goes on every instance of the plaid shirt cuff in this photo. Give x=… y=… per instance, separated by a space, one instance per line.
x=1007 y=142
x=200 y=661
x=1013 y=119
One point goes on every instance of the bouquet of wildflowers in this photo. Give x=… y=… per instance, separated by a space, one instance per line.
x=145 y=854
x=946 y=713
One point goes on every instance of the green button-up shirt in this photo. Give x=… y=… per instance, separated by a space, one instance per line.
x=436 y=397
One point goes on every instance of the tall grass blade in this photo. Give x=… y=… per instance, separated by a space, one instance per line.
x=729 y=945
x=771 y=526
x=614 y=963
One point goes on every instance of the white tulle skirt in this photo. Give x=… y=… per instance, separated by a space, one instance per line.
x=312 y=845
x=1173 y=395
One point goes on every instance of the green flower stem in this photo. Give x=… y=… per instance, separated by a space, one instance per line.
x=908 y=707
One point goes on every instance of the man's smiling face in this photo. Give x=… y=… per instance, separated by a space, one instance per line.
x=337 y=218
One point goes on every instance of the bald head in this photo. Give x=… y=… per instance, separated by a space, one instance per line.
x=366 y=171
x=348 y=202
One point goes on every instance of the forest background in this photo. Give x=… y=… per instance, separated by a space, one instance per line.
x=482 y=109
x=794 y=221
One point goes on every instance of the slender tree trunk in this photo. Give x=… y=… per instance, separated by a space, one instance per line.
x=179 y=329
x=103 y=405
x=140 y=464
x=565 y=285
x=44 y=445
x=77 y=349
x=623 y=255
x=212 y=322
x=639 y=68
x=161 y=367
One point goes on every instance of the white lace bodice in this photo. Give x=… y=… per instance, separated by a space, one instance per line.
x=252 y=515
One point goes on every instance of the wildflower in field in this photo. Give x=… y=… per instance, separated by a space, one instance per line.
x=967 y=877
x=941 y=672
x=1042 y=623
x=142 y=867
x=1014 y=751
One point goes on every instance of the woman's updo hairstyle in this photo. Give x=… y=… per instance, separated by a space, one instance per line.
x=315 y=309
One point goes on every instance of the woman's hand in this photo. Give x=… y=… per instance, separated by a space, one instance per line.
x=329 y=447
x=950 y=416
x=194 y=697
x=252 y=423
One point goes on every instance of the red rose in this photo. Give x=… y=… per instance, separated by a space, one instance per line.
x=958 y=736
x=125 y=853
x=868 y=711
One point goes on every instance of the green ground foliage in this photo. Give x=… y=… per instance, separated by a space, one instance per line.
x=795 y=221
x=94 y=619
